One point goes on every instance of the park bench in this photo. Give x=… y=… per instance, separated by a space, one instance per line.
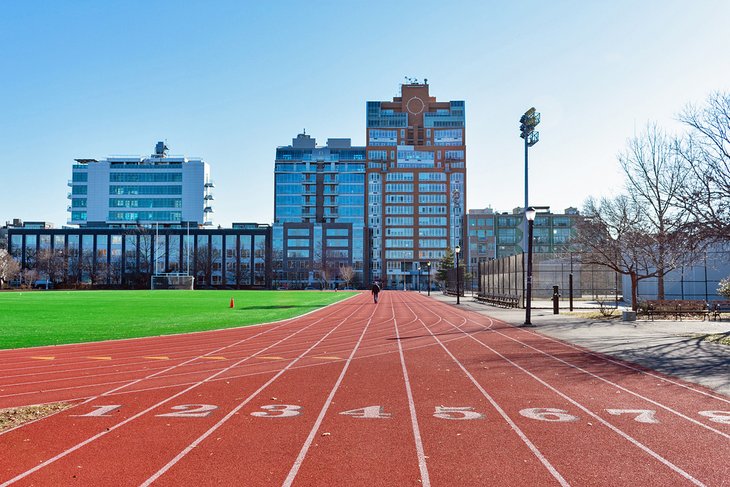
x=676 y=307
x=501 y=300
x=716 y=309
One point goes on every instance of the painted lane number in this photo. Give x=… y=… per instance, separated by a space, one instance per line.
x=548 y=414
x=99 y=411
x=452 y=413
x=369 y=412
x=642 y=415
x=722 y=417
x=456 y=413
x=189 y=411
x=278 y=411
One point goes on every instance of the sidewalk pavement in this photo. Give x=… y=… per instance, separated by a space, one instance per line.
x=670 y=347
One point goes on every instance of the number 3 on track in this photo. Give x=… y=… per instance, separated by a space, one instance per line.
x=278 y=411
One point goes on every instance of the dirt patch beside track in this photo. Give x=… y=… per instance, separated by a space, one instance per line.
x=12 y=417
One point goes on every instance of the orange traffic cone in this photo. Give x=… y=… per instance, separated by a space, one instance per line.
x=232 y=304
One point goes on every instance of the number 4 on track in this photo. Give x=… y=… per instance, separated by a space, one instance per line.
x=369 y=412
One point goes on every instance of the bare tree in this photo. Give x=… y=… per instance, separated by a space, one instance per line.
x=203 y=264
x=655 y=177
x=616 y=235
x=9 y=267
x=706 y=153
x=29 y=277
x=53 y=264
x=347 y=273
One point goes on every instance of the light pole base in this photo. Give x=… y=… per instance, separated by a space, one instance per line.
x=527 y=325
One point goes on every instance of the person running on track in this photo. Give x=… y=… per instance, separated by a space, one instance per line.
x=375 y=289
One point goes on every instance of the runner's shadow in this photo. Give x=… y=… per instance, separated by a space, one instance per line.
x=465 y=332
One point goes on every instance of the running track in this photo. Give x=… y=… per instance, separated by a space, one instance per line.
x=407 y=392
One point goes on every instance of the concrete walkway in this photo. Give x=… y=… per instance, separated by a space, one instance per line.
x=670 y=347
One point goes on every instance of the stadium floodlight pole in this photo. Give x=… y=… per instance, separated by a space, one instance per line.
x=528 y=121
x=187 y=251
x=428 y=266
x=458 y=251
x=530 y=217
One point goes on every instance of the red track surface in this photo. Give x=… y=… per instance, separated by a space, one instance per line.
x=407 y=392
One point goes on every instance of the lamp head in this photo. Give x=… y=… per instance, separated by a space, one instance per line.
x=457 y=249
x=530 y=213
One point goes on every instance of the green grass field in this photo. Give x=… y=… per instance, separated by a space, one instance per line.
x=29 y=319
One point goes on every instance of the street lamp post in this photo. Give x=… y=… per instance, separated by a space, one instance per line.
x=428 y=266
x=418 y=281
x=458 y=251
x=530 y=217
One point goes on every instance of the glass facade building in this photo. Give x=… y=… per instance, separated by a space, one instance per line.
x=125 y=191
x=238 y=257
x=416 y=184
x=319 y=232
x=494 y=235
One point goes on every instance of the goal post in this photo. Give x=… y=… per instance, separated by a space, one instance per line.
x=172 y=280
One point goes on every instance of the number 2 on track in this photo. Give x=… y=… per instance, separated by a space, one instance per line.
x=190 y=411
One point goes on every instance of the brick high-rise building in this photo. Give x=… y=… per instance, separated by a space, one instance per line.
x=416 y=184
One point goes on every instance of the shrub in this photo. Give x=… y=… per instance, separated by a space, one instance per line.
x=723 y=288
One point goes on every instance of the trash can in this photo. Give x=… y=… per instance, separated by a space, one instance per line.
x=628 y=316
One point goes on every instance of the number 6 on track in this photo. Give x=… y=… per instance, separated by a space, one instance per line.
x=548 y=414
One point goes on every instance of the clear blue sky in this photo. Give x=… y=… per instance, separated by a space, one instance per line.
x=231 y=81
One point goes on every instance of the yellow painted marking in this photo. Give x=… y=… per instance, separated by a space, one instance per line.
x=324 y=357
x=213 y=358
x=158 y=358
x=44 y=358
x=272 y=358
x=100 y=358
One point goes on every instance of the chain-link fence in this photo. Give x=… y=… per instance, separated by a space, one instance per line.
x=575 y=281
x=696 y=282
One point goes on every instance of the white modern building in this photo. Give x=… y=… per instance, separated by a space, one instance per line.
x=122 y=191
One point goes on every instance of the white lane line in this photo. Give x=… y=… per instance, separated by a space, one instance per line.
x=425 y=480
x=613 y=428
x=228 y=416
x=131 y=418
x=606 y=358
x=188 y=382
x=308 y=442
x=127 y=382
x=629 y=391
x=299 y=367
x=546 y=463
